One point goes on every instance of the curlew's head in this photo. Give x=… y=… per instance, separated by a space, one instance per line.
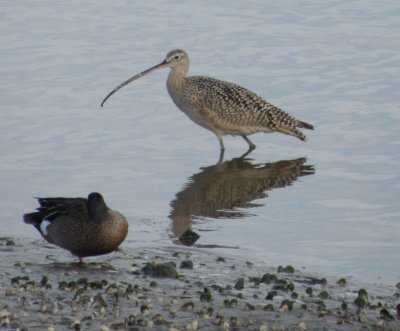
x=176 y=58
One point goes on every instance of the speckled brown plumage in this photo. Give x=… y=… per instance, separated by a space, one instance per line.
x=219 y=106
x=85 y=227
x=234 y=110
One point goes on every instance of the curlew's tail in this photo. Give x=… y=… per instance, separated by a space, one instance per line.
x=298 y=134
x=305 y=125
x=294 y=129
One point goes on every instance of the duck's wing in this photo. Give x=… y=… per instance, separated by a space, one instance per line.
x=52 y=208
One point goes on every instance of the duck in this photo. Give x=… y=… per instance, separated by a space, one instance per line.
x=82 y=226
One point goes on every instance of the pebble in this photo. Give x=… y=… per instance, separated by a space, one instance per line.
x=302 y=326
x=188 y=306
x=193 y=325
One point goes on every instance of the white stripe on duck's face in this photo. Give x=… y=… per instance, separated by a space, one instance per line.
x=43 y=226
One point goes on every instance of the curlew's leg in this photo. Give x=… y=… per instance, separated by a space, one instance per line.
x=221 y=156
x=251 y=145
x=221 y=143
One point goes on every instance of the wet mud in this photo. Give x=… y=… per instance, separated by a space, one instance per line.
x=178 y=288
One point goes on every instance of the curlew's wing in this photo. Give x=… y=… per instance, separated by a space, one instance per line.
x=234 y=105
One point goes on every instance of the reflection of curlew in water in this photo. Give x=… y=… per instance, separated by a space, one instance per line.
x=219 y=190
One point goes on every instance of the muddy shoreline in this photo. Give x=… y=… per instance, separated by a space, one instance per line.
x=42 y=288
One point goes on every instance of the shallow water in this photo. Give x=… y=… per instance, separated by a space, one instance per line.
x=335 y=66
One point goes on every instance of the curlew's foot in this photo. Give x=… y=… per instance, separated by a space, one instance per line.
x=251 y=145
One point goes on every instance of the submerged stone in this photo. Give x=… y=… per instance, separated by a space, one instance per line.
x=268 y=278
x=98 y=302
x=162 y=270
x=240 y=284
x=189 y=237
x=187 y=264
x=362 y=299
x=230 y=303
x=323 y=295
x=269 y=307
x=10 y=242
x=286 y=305
x=386 y=315
x=321 y=307
x=206 y=295
x=188 y=306
x=271 y=295
x=249 y=306
x=290 y=287
x=288 y=269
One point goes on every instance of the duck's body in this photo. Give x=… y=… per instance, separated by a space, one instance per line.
x=221 y=107
x=85 y=227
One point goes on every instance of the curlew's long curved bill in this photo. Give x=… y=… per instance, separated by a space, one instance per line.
x=147 y=71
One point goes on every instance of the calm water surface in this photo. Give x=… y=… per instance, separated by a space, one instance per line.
x=329 y=205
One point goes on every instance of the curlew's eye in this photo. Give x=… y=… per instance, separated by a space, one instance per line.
x=176 y=57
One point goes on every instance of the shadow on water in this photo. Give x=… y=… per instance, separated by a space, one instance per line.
x=224 y=190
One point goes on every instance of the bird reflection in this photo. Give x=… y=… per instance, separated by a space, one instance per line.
x=224 y=190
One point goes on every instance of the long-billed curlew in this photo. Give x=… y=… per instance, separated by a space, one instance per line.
x=219 y=106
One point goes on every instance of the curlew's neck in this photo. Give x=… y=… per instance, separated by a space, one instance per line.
x=177 y=77
x=175 y=83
